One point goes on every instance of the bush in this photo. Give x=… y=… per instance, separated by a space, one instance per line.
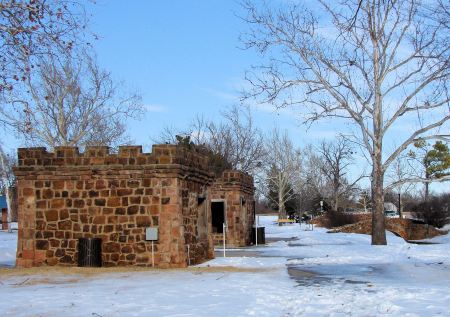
x=435 y=211
x=337 y=219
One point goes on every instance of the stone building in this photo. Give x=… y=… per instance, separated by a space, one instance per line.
x=233 y=203
x=67 y=195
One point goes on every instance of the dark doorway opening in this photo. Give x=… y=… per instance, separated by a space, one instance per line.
x=218 y=216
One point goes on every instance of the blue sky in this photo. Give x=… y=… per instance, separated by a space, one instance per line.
x=182 y=56
x=185 y=58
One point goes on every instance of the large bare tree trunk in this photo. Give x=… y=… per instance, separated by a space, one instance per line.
x=378 y=226
x=281 y=213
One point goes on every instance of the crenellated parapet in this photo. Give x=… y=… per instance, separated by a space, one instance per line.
x=234 y=178
x=162 y=154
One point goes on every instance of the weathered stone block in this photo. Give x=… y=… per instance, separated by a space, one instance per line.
x=28 y=192
x=66 y=259
x=131 y=257
x=111 y=247
x=40 y=225
x=108 y=211
x=51 y=215
x=108 y=228
x=93 y=193
x=78 y=203
x=63 y=214
x=133 y=183
x=113 y=202
x=132 y=210
x=120 y=211
x=65 y=225
x=139 y=247
x=47 y=194
x=42 y=244
x=135 y=200
x=143 y=221
x=124 y=192
x=100 y=202
x=60 y=252
x=48 y=234
x=58 y=185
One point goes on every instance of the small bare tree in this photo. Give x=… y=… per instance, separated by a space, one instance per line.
x=364 y=200
x=32 y=29
x=236 y=138
x=376 y=63
x=399 y=177
x=72 y=103
x=6 y=182
x=335 y=160
x=313 y=184
x=282 y=170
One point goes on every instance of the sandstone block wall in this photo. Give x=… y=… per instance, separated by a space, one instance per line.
x=67 y=195
x=237 y=190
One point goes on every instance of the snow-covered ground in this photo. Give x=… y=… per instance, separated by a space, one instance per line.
x=8 y=246
x=314 y=274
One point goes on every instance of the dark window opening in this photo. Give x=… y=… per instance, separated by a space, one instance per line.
x=218 y=216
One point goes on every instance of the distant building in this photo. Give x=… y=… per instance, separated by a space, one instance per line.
x=4 y=213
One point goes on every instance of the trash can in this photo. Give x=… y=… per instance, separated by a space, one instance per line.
x=261 y=235
x=89 y=252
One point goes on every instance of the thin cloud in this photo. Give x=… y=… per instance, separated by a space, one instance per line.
x=222 y=95
x=155 y=108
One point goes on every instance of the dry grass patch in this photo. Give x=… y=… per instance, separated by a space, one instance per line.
x=67 y=275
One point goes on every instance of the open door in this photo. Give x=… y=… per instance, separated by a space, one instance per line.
x=218 y=216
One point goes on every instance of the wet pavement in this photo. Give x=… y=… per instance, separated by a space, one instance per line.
x=276 y=239
x=237 y=253
x=369 y=273
x=315 y=244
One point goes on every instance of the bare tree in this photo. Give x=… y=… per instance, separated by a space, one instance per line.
x=364 y=200
x=282 y=170
x=399 y=177
x=386 y=65
x=32 y=29
x=72 y=103
x=335 y=159
x=313 y=183
x=236 y=139
x=6 y=183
